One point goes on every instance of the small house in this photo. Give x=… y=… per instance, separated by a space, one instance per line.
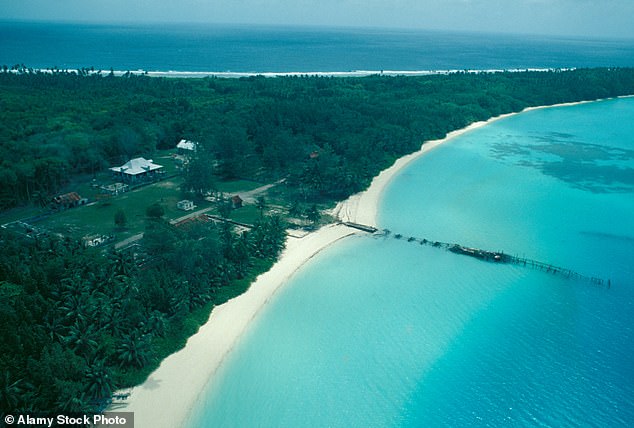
x=236 y=201
x=96 y=240
x=68 y=200
x=185 y=205
x=185 y=147
x=137 y=170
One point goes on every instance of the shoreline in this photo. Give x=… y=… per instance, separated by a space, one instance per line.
x=168 y=396
x=272 y=74
x=363 y=207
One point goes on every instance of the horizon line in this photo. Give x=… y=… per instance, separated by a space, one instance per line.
x=349 y=27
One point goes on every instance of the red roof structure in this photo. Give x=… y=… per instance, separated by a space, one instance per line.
x=68 y=200
x=236 y=201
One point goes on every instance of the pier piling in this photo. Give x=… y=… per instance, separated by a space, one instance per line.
x=491 y=256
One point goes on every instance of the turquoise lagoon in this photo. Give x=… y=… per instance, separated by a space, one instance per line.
x=382 y=332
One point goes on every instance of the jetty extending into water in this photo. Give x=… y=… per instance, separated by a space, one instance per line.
x=489 y=256
x=363 y=227
x=500 y=257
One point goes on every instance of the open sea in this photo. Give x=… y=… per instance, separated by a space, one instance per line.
x=217 y=48
x=382 y=332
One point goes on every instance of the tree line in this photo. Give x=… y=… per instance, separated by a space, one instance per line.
x=327 y=136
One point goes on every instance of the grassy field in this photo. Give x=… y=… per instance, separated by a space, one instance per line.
x=167 y=159
x=247 y=214
x=98 y=218
x=20 y=214
x=237 y=186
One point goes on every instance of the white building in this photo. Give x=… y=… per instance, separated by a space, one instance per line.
x=185 y=205
x=137 y=170
x=186 y=146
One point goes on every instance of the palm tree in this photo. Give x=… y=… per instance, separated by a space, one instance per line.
x=74 y=286
x=99 y=382
x=133 y=350
x=54 y=326
x=313 y=215
x=28 y=403
x=71 y=399
x=10 y=391
x=75 y=308
x=156 y=323
x=277 y=232
x=295 y=210
x=260 y=203
x=121 y=263
x=82 y=337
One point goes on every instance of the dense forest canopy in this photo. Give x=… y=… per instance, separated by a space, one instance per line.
x=55 y=125
x=77 y=323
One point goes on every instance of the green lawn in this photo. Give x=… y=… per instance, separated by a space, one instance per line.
x=20 y=214
x=99 y=217
x=167 y=160
x=247 y=214
x=88 y=187
x=237 y=186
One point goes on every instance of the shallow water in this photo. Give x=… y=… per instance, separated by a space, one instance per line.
x=377 y=331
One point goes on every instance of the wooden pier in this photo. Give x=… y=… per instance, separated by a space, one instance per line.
x=490 y=256
x=556 y=270
x=362 y=227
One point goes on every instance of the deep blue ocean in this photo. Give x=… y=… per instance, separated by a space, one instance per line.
x=218 y=48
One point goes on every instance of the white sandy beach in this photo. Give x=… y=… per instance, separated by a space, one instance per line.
x=169 y=394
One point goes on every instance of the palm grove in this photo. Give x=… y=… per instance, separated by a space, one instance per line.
x=77 y=323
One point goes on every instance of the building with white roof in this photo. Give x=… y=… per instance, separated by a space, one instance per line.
x=137 y=170
x=186 y=146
